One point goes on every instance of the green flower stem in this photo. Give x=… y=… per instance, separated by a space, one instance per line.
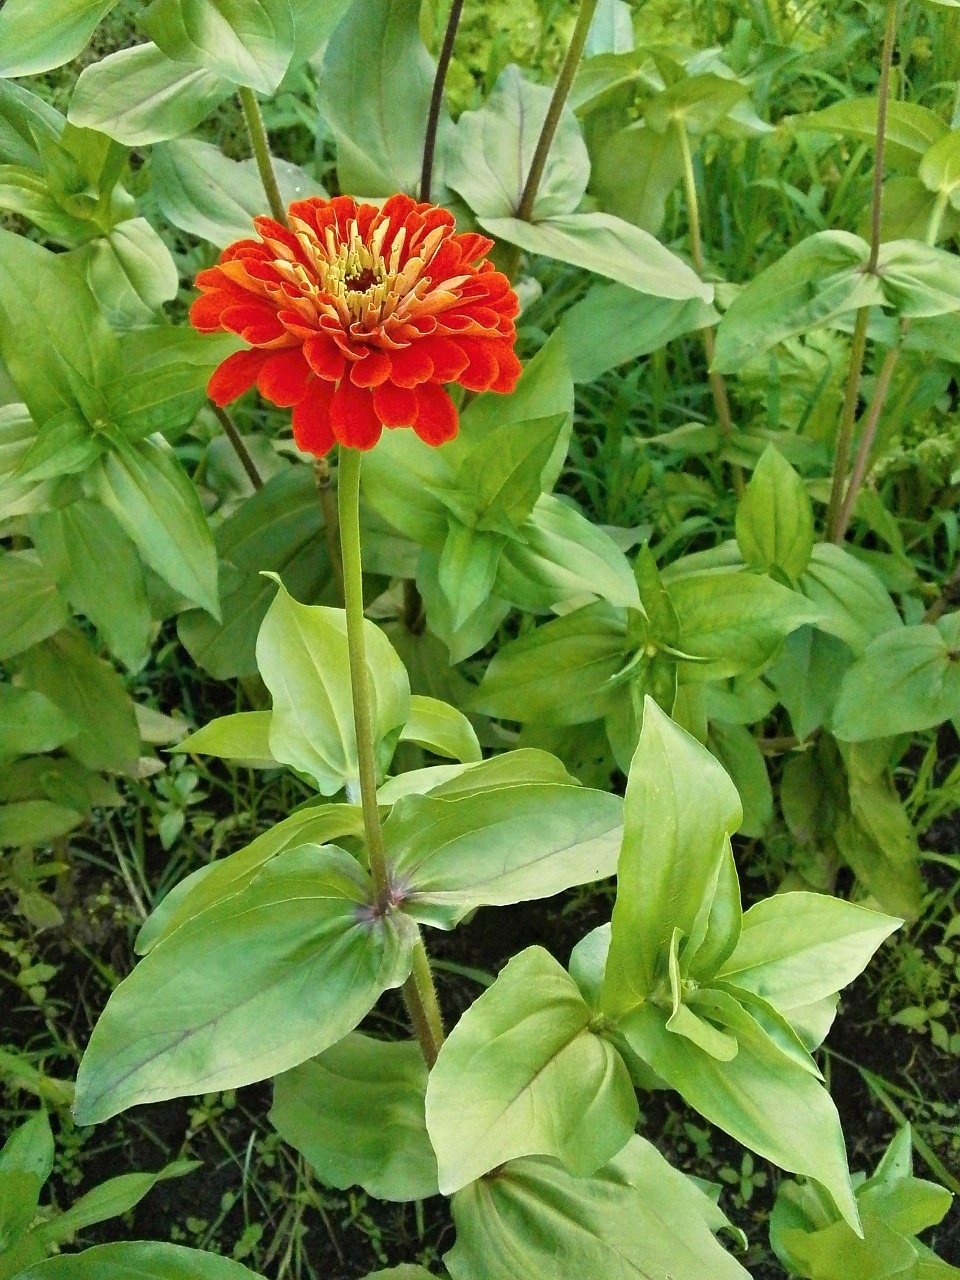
x=858 y=352
x=867 y=436
x=257 y=132
x=418 y=990
x=239 y=448
x=718 y=386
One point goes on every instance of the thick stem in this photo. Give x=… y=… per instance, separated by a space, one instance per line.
x=848 y=417
x=436 y=101
x=718 y=386
x=560 y=94
x=867 y=436
x=257 y=133
x=331 y=524
x=239 y=448
x=418 y=992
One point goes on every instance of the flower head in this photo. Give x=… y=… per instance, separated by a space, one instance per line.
x=356 y=316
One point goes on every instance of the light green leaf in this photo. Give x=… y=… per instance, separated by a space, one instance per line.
x=635 y=170
x=130 y=271
x=303 y=658
x=76 y=544
x=145 y=487
x=66 y=670
x=775 y=518
x=561 y=555
x=491 y=150
x=111 y=1199
x=918 y=280
x=523 y=1074
x=854 y=605
x=696 y=103
x=31 y=607
x=534 y=1219
x=816 y=283
x=736 y=749
x=23 y=117
x=497 y=847
x=798 y=948
x=501 y=477
x=31 y=724
x=379 y=125
x=356 y=1113
x=249 y=988
x=38 y=38
x=33 y=822
x=940 y=167
x=737 y=620
x=214 y=883
x=613 y=325
x=139 y=96
x=580 y=653
x=807 y=675
x=139 y=1260
x=29 y=1148
x=244 y=737
x=906 y=680
x=441 y=729
x=608 y=246
x=467 y=570
x=248 y=42
x=680 y=807
x=910 y=131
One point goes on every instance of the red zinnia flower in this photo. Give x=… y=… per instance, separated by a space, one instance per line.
x=355 y=317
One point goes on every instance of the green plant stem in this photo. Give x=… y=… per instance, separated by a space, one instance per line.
x=559 y=100
x=256 y=130
x=937 y=215
x=865 y=446
x=239 y=448
x=436 y=100
x=718 y=386
x=858 y=352
x=331 y=523
x=418 y=990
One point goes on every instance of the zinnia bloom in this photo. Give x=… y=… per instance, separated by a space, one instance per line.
x=356 y=317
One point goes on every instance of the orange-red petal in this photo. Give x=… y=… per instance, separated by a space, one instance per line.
x=324 y=357
x=395 y=406
x=353 y=417
x=436 y=415
x=284 y=378
x=312 y=430
x=370 y=371
x=235 y=375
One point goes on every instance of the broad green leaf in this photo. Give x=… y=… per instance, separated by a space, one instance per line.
x=203 y=192
x=356 y=1113
x=499 y=847
x=441 y=729
x=31 y=607
x=635 y=170
x=303 y=658
x=609 y=247
x=56 y=344
x=491 y=150
x=406 y=1271
x=797 y=948
x=77 y=543
x=145 y=487
x=19 y=1198
x=533 y=1219
x=479 y=626
x=33 y=822
x=379 y=125
x=561 y=555
x=910 y=130
x=248 y=42
x=18 y=497
x=501 y=477
x=807 y=676
x=680 y=806
x=466 y=571
x=877 y=838
x=111 y=1199
x=139 y=1260
x=853 y=603
x=613 y=325
x=580 y=653
x=611 y=30
x=214 y=883
x=905 y=681
x=918 y=280
x=522 y=1073
x=763 y=1098
x=67 y=671
x=940 y=167
x=29 y=1148
x=140 y=95
x=130 y=271
x=736 y=620
x=280 y=528
x=37 y=38
x=244 y=736
x=510 y=769
x=247 y=989
x=737 y=750
x=30 y=723
x=775 y=518
x=817 y=283
x=696 y=103
x=23 y=117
